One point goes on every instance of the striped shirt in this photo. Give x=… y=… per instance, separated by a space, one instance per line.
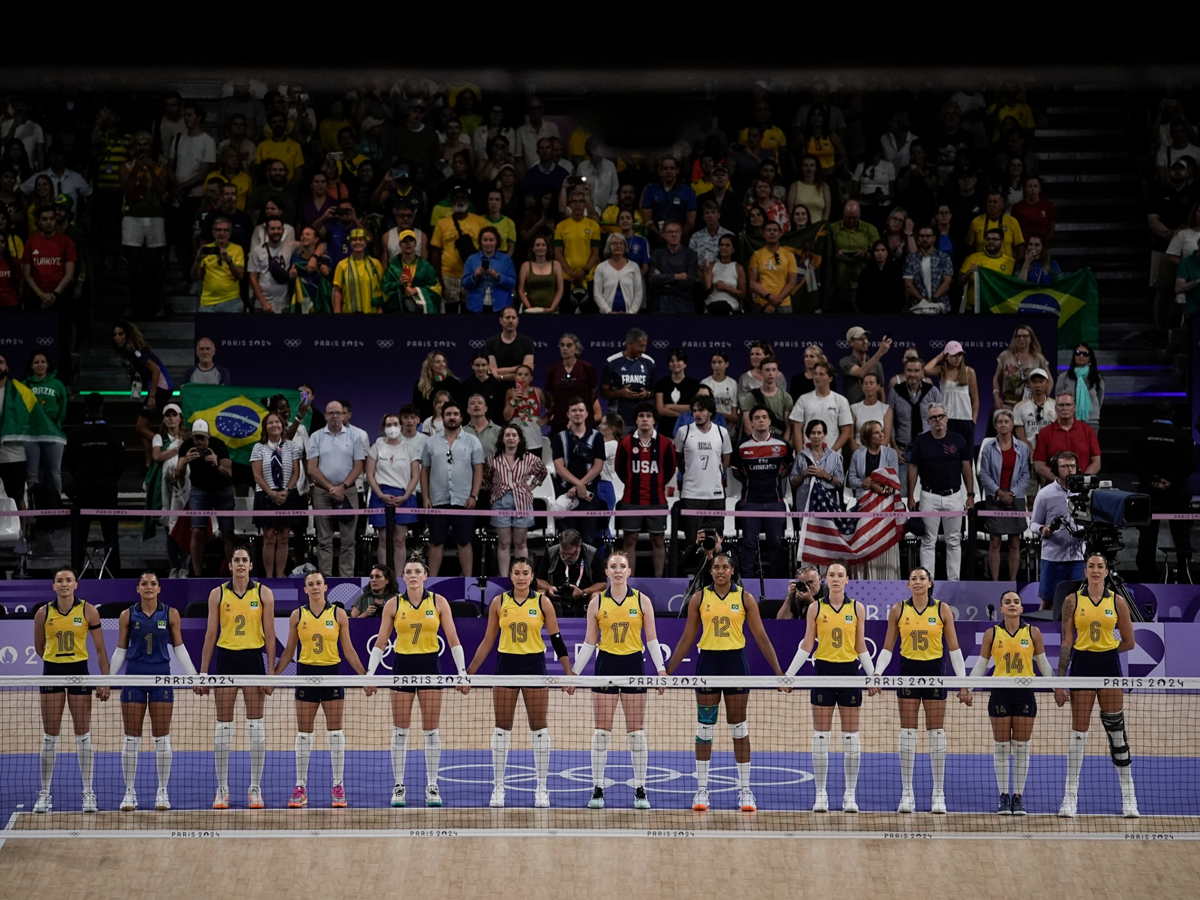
x=520 y=476
x=112 y=153
x=645 y=470
x=289 y=453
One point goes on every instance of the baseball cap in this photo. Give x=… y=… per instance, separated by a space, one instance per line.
x=458 y=189
x=506 y=166
x=175 y=407
x=371 y=122
x=1036 y=372
x=406 y=233
x=953 y=348
x=855 y=333
x=200 y=426
x=720 y=167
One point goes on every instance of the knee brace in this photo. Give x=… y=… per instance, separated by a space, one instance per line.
x=706 y=723
x=256 y=731
x=740 y=730
x=1118 y=741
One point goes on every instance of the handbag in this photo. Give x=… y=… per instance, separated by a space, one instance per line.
x=464 y=243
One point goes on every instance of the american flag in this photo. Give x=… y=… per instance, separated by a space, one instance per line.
x=854 y=540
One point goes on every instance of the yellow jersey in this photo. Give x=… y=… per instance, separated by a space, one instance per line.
x=921 y=631
x=721 y=619
x=241 y=618
x=620 y=624
x=416 y=626
x=66 y=636
x=521 y=624
x=1095 y=623
x=318 y=636
x=1012 y=653
x=837 y=632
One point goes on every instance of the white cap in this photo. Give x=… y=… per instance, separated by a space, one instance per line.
x=200 y=426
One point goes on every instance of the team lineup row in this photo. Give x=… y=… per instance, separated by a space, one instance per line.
x=620 y=626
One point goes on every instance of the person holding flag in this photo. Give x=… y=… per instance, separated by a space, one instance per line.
x=410 y=284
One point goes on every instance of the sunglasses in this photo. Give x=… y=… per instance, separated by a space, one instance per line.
x=450 y=455
x=937 y=418
x=1083 y=353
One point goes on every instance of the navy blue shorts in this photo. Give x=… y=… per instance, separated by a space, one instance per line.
x=1096 y=664
x=318 y=693
x=240 y=662
x=144 y=695
x=415 y=664
x=1005 y=702
x=836 y=696
x=921 y=667
x=619 y=664
x=722 y=663
x=521 y=664
x=69 y=668
x=460 y=528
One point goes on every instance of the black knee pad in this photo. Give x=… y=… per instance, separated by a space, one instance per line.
x=1118 y=741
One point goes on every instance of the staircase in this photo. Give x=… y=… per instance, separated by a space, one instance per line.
x=1094 y=168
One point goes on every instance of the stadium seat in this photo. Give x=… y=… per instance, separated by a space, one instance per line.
x=465 y=609
x=197 y=609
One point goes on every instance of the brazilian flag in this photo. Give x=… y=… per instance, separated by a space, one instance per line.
x=234 y=414
x=1074 y=298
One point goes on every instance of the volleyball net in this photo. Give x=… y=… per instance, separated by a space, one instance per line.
x=788 y=760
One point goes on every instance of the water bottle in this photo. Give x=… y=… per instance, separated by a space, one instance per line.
x=135 y=391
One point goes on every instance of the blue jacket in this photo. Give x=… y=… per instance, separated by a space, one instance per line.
x=502 y=287
x=990 y=463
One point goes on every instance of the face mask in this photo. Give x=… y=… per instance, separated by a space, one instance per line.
x=392 y=431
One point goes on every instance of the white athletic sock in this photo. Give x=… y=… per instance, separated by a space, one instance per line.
x=222 y=737
x=129 y=760
x=1075 y=751
x=433 y=756
x=1000 y=751
x=162 y=760
x=541 y=755
x=743 y=776
x=399 y=753
x=47 y=756
x=1020 y=752
x=937 y=757
x=639 y=752
x=501 y=740
x=304 y=742
x=702 y=773
x=908 y=755
x=820 y=757
x=87 y=757
x=600 y=740
x=852 y=749
x=256 y=733
x=337 y=754
x=1125 y=774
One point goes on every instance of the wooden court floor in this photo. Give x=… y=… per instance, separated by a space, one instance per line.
x=536 y=868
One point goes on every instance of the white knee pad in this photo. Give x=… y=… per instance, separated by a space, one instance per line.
x=335 y=739
x=704 y=732
x=740 y=730
x=304 y=740
x=132 y=742
x=223 y=734
x=937 y=740
x=501 y=739
x=600 y=739
x=256 y=731
x=399 y=738
x=83 y=742
x=820 y=742
x=908 y=740
x=851 y=743
x=49 y=743
x=162 y=744
x=637 y=741
x=433 y=739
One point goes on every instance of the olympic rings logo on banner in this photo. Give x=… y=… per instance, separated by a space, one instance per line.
x=478 y=345
x=45 y=341
x=551 y=679
x=292 y=343
x=74 y=679
x=661 y=344
x=315 y=679
x=1023 y=682
x=384 y=343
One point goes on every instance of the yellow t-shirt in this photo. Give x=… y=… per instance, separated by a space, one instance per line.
x=721 y=619
x=773 y=138
x=217 y=282
x=1006 y=223
x=1004 y=264
x=577 y=142
x=774 y=267
x=286 y=151
x=66 y=636
x=508 y=231
x=837 y=632
x=1012 y=653
x=361 y=284
x=416 y=626
x=921 y=632
x=1095 y=623
x=241 y=181
x=444 y=236
x=318 y=636
x=241 y=618
x=328 y=130
x=608 y=220
x=620 y=624
x=701 y=187
x=577 y=239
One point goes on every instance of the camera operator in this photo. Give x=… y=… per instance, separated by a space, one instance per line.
x=699 y=555
x=802 y=591
x=569 y=573
x=1062 y=552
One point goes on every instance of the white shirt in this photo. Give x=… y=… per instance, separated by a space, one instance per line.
x=833 y=410
x=30 y=134
x=258 y=238
x=876 y=179
x=189 y=154
x=701 y=455
x=602 y=178
x=479 y=140
x=69 y=182
x=896 y=154
x=725 y=394
x=278 y=295
x=864 y=413
x=1183 y=243
x=393 y=463
x=417 y=442
x=1025 y=415
x=1166 y=153
x=525 y=148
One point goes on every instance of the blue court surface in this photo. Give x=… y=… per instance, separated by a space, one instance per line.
x=1166 y=786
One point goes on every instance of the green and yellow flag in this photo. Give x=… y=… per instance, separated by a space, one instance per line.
x=234 y=414
x=1074 y=298
x=24 y=419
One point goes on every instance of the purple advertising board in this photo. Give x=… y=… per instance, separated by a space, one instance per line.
x=375 y=360
x=21 y=334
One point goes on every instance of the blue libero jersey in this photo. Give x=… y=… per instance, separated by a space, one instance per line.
x=149 y=637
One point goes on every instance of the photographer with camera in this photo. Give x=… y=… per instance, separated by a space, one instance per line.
x=1062 y=551
x=806 y=588
x=570 y=572
x=205 y=461
x=699 y=554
